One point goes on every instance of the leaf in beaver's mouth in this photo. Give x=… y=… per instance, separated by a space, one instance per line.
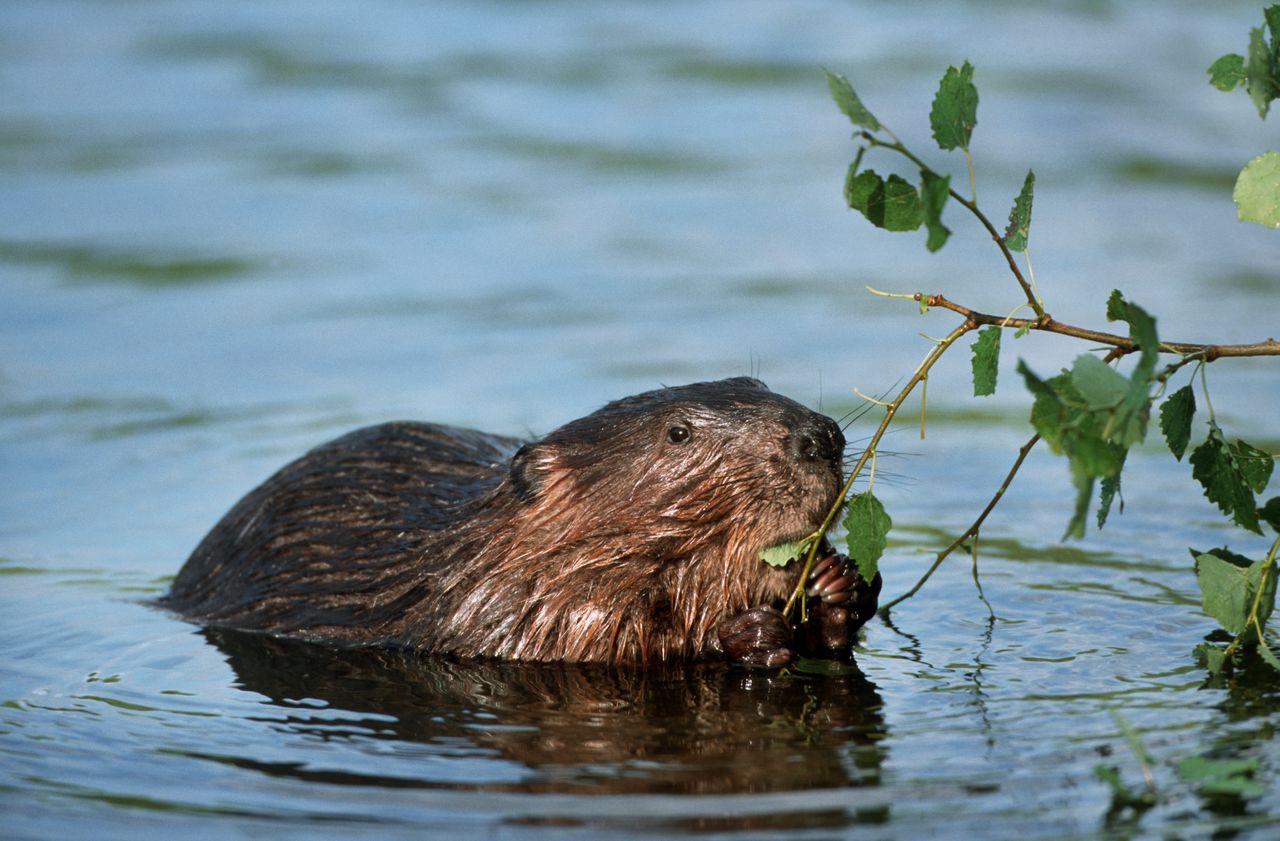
x=784 y=553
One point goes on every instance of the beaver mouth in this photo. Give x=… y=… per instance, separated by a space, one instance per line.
x=810 y=516
x=823 y=494
x=803 y=523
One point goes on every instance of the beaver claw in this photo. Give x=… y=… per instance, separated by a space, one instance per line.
x=759 y=637
x=832 y=579
x=840 y=602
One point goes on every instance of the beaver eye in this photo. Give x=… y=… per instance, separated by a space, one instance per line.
x=679 y=433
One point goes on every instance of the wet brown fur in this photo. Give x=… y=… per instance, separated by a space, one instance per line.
x=603 y=541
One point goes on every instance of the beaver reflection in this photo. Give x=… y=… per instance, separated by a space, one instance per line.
x=698 y=728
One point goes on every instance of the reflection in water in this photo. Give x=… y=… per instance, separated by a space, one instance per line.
x=702 y=728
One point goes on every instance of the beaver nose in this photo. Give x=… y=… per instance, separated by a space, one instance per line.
x=816 y=438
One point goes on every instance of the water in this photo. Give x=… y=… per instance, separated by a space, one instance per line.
x=230 y=231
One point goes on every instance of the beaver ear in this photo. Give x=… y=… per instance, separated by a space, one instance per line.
x=527 y=468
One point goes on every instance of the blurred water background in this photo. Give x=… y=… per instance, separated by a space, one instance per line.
x=232 y=230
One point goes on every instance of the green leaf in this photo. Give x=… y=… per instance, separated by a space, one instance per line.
x=1109 y=490
x=783 y=553
x=1109 y=396
x=903 y=210
x=1270 y=513
x=859 y=186
x=1267 y=603
x=1110 y=486
x=1089 y=458
x=1048 y=412
x=1062 y=417
x=1229 y=588
x=1070 y=425
x=1142 y=329
x=868 y=525
x=1268 y=655
x=955 y=108
x=1214 y=466
x=892 y=204
x=1225 y=589
x=1083 y=480
x=1255 y=465
x=1129 y=423
x=1117 y=307
x=1211 y=657
x=1222 y=776
x=1225 y=554
x=1259 y=71
x=1100 y=385
x=934 y=191
x=848 y=102
x=1257 y=191
x=986 y=361
x=1015 y=236
x=1175 y=420
x=1231 y=474
x=1227 y=72
x=1097 y=457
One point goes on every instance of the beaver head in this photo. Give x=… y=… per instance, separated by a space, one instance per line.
x=629 y=533
x=687 y=460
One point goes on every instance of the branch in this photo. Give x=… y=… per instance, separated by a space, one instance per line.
x=972 y=531
x=1120 y=345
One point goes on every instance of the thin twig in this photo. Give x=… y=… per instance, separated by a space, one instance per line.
x=977 y=582
x=970 y=532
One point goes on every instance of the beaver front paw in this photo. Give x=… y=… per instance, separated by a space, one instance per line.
x=759 y=637
x=840 y=602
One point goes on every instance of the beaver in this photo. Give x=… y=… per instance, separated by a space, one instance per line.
x=630 y=535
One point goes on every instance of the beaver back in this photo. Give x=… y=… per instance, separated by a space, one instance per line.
x=309 y=550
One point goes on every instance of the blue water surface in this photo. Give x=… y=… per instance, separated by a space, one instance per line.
x=230 y=231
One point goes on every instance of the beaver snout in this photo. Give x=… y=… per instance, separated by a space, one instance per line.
x=816 y=439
